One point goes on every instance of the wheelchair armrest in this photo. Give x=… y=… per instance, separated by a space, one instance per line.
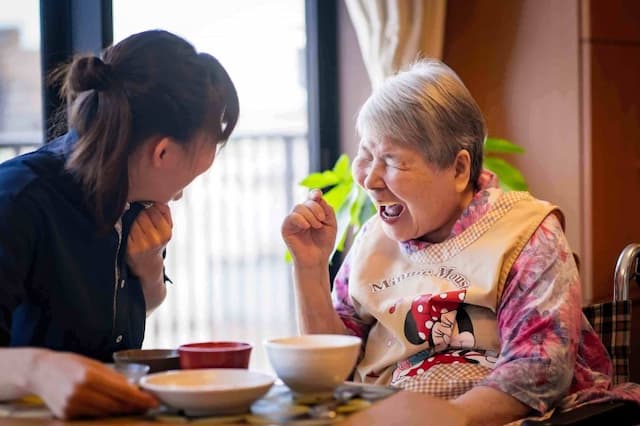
x=610 y=412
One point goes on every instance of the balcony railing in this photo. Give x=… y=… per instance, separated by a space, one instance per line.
x=226 y=258
x=16 y=143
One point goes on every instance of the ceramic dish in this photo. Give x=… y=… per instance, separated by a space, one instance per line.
x=208 y=391
x=156 y=359
x=313 y=363
x=215 y=355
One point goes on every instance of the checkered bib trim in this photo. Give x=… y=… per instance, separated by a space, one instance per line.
x=440 y=252
x=612 y=322
x=446 y=381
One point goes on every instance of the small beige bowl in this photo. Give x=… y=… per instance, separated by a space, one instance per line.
x=313 y=363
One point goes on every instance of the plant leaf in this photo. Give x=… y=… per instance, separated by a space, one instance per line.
x=369 y=209
x=357 y=206
x=320 y=180
x=343 y=218
x=337 y=196
x=510 y=178
x=502 y=145
x=342 y=169
x=363 y=211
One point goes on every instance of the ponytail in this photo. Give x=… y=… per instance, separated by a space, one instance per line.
x=102 y=117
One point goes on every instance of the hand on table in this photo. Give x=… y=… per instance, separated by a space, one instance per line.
x=309 y=231
x=75 y=386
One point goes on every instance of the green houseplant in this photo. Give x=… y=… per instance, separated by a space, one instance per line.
x=353 y=207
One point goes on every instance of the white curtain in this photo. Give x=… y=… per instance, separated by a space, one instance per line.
x=393 y=33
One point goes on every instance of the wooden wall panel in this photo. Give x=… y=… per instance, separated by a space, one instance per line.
x=610 y=20
x=615 y=156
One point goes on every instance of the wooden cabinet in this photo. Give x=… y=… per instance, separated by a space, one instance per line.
x=610 y=47
x=609 y=21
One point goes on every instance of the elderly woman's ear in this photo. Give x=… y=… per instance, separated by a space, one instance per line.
x=462 y=169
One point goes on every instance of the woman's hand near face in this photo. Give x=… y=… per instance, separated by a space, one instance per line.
x=75 y=386
x=150 y=233
x=309 y=231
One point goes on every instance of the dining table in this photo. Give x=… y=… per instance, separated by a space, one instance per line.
x=402 y=408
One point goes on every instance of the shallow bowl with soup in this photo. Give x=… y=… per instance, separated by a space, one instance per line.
x=208 y=391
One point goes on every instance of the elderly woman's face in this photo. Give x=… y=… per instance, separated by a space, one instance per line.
x=414 y=198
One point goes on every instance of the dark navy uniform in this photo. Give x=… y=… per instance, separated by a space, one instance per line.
x=63 y=285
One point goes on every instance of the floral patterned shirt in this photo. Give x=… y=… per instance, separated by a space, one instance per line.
x=548 y=348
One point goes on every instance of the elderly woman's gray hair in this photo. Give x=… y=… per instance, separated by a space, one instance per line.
x=428 y=108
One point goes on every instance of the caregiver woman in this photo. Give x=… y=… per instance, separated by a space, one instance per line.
x=84 y=220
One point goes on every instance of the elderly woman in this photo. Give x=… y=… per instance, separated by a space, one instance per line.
x=458 y=289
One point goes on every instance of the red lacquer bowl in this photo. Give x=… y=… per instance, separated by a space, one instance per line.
x=215 y=355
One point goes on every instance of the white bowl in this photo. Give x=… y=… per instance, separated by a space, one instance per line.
x=313 y=363
x=208 y=391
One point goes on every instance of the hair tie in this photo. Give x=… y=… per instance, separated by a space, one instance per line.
x=91 y=73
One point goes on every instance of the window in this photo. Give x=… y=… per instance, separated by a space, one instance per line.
x=226 y=257
x=20 y=82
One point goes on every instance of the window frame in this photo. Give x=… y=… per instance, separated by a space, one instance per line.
x=67 y=28
x=70 y=27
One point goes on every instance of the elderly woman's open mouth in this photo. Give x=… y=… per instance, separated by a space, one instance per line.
x=390 y=211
